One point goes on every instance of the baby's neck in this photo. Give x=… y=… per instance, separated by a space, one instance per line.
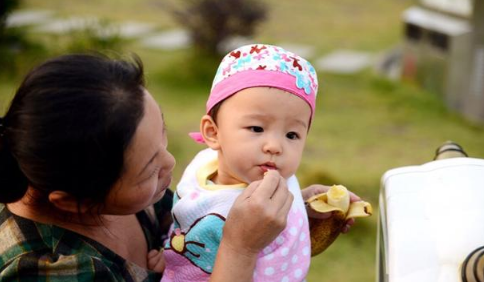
x=221 y=178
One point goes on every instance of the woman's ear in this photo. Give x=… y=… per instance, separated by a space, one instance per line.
x=209 y=131
x=66 y=202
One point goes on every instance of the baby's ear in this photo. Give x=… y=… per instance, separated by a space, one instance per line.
x=209 y=131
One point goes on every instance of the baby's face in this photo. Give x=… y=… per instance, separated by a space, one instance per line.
x=259 y=129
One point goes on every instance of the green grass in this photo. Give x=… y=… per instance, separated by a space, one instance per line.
x=370 y=25
x=115 y=10
x=364 y=124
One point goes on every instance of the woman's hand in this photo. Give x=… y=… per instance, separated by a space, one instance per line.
x=257 y=217
x=259 y=214
x=316 y=189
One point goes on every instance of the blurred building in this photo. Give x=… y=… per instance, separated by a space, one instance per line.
x=444 y=52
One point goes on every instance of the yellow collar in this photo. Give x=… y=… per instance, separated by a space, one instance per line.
x=207 y=171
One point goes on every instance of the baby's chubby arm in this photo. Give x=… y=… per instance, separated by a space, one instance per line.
x=316 y=189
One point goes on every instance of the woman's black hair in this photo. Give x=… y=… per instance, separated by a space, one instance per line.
x=68 y=127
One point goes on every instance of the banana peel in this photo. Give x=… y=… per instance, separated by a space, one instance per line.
x=336 y=200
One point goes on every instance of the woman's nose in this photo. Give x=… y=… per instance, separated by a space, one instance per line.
x=168 y=165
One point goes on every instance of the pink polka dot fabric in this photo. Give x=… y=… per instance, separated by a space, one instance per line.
x=287 y=258
x=181 y=269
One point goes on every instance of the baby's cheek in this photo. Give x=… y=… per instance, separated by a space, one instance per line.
x=289 y=171
x=239 y=164
x=292 y=166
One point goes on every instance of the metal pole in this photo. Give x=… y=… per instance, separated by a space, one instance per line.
x=475 y=103
x=478 y=20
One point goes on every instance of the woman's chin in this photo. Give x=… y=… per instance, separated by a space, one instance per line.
x=159 y=194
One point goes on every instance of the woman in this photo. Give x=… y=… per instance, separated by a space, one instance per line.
x=84 y=177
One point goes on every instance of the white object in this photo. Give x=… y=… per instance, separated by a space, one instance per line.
x=135 y=29
x=345 y=62
x=436 y=21
x=459 y=7
x=168 y=40
x=305 y=51
x=63 y=26
x=431 y=219
x=28 y=17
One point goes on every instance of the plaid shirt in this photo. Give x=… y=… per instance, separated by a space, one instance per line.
x=31 y=251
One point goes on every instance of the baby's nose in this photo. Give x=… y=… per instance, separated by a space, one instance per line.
x=273 y=146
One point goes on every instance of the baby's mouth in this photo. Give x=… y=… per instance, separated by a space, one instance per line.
x=268 y=166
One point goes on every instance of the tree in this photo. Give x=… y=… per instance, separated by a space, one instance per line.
x=6 y=6
x=211 y=22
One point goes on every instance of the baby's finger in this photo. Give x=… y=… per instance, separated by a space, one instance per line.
x=350 y=222
x=153 y=253
x=313 y=190
x=318 y=215
x=354 y=197
x=160 y=264
x=153 y=258
x=345 y=229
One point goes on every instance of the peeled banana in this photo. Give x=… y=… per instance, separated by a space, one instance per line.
x=336 y=200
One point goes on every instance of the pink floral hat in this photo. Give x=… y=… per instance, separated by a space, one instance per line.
x=259 y=65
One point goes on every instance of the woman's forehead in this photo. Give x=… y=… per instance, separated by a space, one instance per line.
x=148 y=136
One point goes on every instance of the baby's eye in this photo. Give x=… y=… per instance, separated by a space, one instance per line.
x=256 y=129
x=292 y=135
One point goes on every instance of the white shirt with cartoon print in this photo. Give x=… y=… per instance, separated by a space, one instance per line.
x=199 y=212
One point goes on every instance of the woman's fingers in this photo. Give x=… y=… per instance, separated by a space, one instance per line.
x=287 y=205
x=258 y=215
x=268 y=185
x=247 y=192
x=270 y=199
x=279 y=202
x=281 y=191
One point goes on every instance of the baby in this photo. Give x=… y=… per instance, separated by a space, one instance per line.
x=259 y=113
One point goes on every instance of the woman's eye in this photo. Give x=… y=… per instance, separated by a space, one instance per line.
x=155 y=172
x=257 y=129
x=292 y=135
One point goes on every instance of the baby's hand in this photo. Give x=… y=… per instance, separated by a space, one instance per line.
x=316 y=189
x=156 y=261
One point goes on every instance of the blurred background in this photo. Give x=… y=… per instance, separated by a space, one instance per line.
x=397 y=79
